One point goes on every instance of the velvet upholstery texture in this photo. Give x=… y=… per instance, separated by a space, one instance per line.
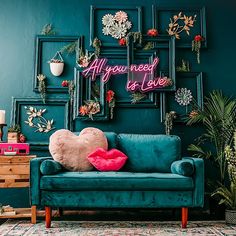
x=143 y=188
x=50 y=167
x=182 y=167
x=116 y=181
x=149 y=153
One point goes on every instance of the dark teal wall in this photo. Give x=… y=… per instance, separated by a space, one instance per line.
x=21 y=20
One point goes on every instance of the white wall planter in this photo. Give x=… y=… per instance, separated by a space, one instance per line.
x=57 y=65
x=56 y=68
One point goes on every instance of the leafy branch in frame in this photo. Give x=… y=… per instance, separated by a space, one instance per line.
x=37 y=121
x=137 y=97
x=180 y=23
x=42 y=86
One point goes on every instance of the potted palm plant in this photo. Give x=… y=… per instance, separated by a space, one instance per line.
x=227 y=194
x=218 y=118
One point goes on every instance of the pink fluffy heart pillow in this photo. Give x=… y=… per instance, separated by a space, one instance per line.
x=103 y=160
x=71 y=151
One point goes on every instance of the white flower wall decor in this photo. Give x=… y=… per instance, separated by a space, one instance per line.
x=183 y=96
x=116 y=25
x=37 y=121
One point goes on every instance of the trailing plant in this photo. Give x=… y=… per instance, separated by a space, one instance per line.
x=227 y=195
x=219 y=119
x=137 y=37
x=48 y=30
x=97 y=46
x=196 y=46
x=71 y=88
x=110 y=98
x=169 y=118
x=42 y=86
x=137 y=97
x=148 y=46
x=184 y=67
x=14 y=128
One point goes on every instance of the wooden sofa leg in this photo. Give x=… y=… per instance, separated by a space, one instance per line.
x=184 y=217
x=48 y=216
x=60 y=211
x=33 y=214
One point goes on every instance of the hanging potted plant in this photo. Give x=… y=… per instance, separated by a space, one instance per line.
x=56 y=64
x=227 y=194
x=13 y=134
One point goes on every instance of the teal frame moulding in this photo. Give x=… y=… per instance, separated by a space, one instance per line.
x=40 y=60
x=60 y=115
x=151 y=101
x=95 y=25
x=184 y=79
x=83 y=88
x=162 y=42
x=170 y=11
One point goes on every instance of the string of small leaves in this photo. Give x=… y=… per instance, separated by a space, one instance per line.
x=137 y=37
x=137 y=97
x=169 y=118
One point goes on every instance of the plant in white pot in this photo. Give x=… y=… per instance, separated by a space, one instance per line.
x=227 y=194
x=57 y=64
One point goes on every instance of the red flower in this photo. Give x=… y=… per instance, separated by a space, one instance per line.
x=83 y=110
x=110 y=95
x=122 y=42
x=152 y=32
x=65 y=83
x=198 y=38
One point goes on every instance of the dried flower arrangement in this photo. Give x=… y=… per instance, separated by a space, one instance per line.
x=97 y=46
x=196 y=46
x=90 y=108
x=84 y=59
x=137 y=37
x=42 y=86
x=42 y=125
x=169 y=117
x=175 y=26
x=110 y=98
x=137 y=97
x=116 y=25
x=48 y=30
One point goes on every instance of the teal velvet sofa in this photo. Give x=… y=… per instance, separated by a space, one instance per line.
x=155 y=176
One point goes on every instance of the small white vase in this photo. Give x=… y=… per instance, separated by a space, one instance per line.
x=57 y=68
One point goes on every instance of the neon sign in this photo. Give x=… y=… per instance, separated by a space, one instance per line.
x=140 y=74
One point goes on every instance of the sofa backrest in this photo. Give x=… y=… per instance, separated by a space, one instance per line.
x=149 y=153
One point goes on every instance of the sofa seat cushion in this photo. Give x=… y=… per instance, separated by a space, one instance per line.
x=94 y=180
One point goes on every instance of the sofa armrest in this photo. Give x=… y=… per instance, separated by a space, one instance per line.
x=183 y=167
x=198 y=177
x=35 y=176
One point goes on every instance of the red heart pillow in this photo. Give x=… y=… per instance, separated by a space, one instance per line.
x=103 y=160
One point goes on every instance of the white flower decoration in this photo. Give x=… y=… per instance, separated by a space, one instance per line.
x=117 y=25
x=121 y=16
x=118 y=31
x=106 y=30
x=108 y=20
x=128 y=24
x=183 y=96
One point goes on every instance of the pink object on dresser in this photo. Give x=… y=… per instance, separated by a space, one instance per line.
x=14 y=148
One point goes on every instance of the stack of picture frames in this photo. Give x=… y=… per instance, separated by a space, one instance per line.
x=116 y=35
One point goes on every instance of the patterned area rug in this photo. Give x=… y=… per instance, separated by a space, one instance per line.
x=115 y=228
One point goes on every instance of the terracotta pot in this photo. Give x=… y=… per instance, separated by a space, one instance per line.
x=13 y=137
x=56 y=68
x=230 y=217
